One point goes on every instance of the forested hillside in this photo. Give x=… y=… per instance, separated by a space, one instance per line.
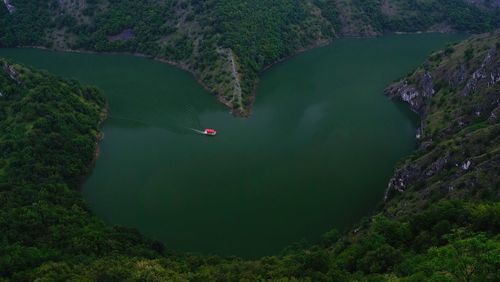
x=440 y=220
x=48 y=143
x=226 y=43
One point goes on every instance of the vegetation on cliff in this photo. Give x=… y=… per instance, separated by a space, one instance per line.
x=457 y=93
x=440 y=221
x=226 y=43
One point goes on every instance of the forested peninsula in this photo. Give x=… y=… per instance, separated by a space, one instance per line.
x=225 y=44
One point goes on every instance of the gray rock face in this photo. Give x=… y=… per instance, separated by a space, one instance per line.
x=402 y=179
x=495 y=114
x=409 y=93
x=437 y=166
x=418 y=94
x=466 y=165
x=487 y=74
x=9 y=6
x=11 y=72
x=427 y=85
x=472 y=88
x=124 y=35
x=458 y=77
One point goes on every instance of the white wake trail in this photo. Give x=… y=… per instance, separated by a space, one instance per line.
x=196 y=130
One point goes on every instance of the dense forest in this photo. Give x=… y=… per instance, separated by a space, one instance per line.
x=440 y=220
x=226 y=43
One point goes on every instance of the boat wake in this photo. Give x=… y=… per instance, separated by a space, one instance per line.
x=169 y=126
x=197 y=131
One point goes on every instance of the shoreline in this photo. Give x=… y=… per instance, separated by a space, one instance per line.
x=97 y=151
x=184 y=67
x=105 y=111
x=239 y=114
x=180 y=66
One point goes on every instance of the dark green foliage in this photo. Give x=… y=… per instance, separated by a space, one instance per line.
x=262 y=32
x=143 y=20
x=469 y=53
x=48 y=142
x=330 y=11
x=27 y=25
x=422 y=15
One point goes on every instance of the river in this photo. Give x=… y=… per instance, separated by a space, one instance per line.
x=316 y=153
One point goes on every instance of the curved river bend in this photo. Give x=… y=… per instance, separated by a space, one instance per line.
x=316 y=153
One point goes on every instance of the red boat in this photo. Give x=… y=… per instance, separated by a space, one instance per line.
x=209 y=131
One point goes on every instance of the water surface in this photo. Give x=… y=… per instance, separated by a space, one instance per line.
x=316 y=153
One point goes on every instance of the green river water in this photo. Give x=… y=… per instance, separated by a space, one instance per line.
x=316 y=154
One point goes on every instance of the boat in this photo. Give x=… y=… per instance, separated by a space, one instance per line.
x=209 y=131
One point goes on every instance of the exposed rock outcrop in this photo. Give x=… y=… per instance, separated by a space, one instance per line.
x=11 y=72
x=9 y=6
x=458 y=99
x=402 y=179
x=487 y=74
x=124 y=35
x=417 y=95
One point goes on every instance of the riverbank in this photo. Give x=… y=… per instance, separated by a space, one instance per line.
x=99 y=138
x=242 y=112
x=442 y=93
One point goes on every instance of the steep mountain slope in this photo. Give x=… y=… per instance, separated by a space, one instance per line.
x=226 y=43
x=440 y=221
x=457 y=93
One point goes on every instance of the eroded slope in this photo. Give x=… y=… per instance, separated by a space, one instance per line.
x=457 y=94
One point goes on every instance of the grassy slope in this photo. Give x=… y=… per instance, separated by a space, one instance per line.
x=226 y=43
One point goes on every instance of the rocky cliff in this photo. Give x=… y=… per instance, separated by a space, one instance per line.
x=9 y=6
x=457 y=95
